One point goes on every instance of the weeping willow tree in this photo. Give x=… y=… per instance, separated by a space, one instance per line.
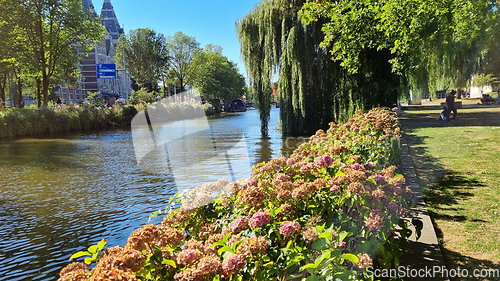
x=434 y=44
x=313 y=89
x=453 y=47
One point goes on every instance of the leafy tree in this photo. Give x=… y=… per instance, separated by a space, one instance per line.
x=12 y=47
x=433 y=44
x=215 y=76
x=142 y=96
x=380 y=49
x=146 y=54
x=183 y=49
x=57 y=33
x=482 y=80
x=312 y=88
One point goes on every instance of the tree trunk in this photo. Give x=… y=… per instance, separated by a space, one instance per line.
x=45 y=89
x=3 y=83
x=182 y=85
x=39 y=92
x=20 y=92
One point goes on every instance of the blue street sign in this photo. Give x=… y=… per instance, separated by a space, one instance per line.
x=106 y=71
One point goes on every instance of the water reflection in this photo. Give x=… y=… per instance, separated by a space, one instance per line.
x=61 y=194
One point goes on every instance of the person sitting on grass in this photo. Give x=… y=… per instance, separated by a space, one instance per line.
x=442 y=115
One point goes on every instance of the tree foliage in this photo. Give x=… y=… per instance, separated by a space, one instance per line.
x=216 y=77
x=183 y=48
x=146 y=55
x=434 y=44
x=57 y=34
x=312 y=88
x=335 y=56
x=9 y=51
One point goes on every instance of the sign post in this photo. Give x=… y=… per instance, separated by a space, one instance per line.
x=106 y=71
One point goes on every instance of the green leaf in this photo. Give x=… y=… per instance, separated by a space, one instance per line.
x=350 y=257
x=169 y=262
x=225 y=249
x=372 y=180
x=101 y=244
x=293 y=276
x=342 y=236
x=339 y=173
x=321 y=244
x=89 y=260
x=218 y=243
x=226 y=237
x=325 y=255
x=79 y=254
x=93 y=249
x=309 y=265
x=312 y=278
x=320 y=228
x=275 y=212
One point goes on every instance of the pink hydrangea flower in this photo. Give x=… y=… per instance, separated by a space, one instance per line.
x=334 y=188
x=233 y=264
x=324 y=161
x=187 y=256
x=252 y=182
x=305 y=169
x=289 y=227
x=375 y=221
x=397 y=190
x=341 y=244
x=240 y=224
x=380 y=180
x=357 y=166
x=259 y=219
x=292 y=160
x=392 y=206
x=370 y=166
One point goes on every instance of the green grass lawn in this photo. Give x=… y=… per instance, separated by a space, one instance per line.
x=459 y=165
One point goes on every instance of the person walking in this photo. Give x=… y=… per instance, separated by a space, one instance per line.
x=450 y=104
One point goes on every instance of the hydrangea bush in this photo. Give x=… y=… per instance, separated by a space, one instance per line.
x=332 y=209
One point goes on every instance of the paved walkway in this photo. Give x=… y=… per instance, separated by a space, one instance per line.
x=424 y=254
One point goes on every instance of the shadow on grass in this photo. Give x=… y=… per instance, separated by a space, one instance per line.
x=445 y=190
x=450 y=188
x=426 y=117
x=477 y=269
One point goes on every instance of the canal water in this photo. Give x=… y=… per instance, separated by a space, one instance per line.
x=60 y=194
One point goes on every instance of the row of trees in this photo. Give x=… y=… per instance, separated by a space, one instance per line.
x=42 y=44
x=152 y=57
x=334 y=57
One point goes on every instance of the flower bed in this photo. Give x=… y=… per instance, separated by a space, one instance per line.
x=331 y=210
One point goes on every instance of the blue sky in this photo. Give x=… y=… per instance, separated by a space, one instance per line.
x=209 y=21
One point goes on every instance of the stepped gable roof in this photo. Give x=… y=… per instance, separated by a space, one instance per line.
x=87 y=5
x=110 y=21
